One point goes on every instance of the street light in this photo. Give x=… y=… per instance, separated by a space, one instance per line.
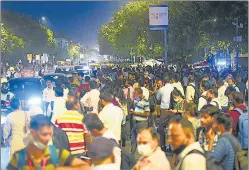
x=215 y=20
x=43 y=18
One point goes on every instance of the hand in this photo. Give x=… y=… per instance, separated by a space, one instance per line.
x=132 y=111
x=210 y=134
x=173 y=111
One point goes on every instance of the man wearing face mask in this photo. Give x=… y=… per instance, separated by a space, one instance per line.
x=182 y=141
x=38 y=155
x=140 y=117
x=152 y=155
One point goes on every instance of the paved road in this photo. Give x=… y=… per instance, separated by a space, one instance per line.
x=4 y=157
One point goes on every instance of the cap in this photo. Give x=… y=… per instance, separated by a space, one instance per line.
x=101 y=148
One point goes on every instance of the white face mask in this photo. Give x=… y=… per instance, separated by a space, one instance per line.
x=39 y=145
x=28 y=139
x=145 y=150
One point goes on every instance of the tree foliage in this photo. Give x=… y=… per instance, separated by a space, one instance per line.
x=193 y=26
x=74 y=50
x=9 y=41
x=33 y=37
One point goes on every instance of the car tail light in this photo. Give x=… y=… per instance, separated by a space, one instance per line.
x=7 y=103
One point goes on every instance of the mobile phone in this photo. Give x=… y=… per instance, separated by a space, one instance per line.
x=85 y=158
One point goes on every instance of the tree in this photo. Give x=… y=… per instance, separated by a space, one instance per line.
x=74 y=50
x=37 y=39
x=9 y=41
x=192 y=26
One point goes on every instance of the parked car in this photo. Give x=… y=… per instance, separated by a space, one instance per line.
x=28 y=90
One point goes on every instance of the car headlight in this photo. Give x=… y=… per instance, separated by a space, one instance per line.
x=34 y=101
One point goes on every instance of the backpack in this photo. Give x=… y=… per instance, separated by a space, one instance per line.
x=241 y=156
x=53 y=154
x=211 y=162
x=196 y=95
x=243 y=128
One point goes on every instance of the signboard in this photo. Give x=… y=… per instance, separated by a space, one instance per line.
x=29 y=57
x=37 y=57
x=158 y=17
x=237 y=39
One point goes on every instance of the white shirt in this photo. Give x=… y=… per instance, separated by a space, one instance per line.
x=146 y=93
x=59 y=108
x=178 y=85
x=91 y=99
x=214 y=102
x=116 y=151
x=190 y=92
x=112 y=117
x=222 y=98
x=164 y=94
x=105 y=167
x=48 y=94
x=192 y=161
x=202 y=101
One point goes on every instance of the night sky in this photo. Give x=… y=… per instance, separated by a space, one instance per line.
x=79 y=20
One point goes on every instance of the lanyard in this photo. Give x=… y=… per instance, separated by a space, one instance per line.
x=44 y=162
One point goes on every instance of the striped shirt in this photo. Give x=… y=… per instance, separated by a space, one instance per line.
x=65 y=159
x=141 y=105
x=223 y=152
x=71 y=123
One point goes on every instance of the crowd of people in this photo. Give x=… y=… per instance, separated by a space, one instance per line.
x=201 y=118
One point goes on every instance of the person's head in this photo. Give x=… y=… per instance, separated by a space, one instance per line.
x=93 y=85
x=212 y=93
x=229 y=92
x=180 y=134
x=105 y=98
x=191 y=79
x=49 y=83
x=87 y=79
x=120 y=75
x=59 y=92
x=190 y=109
x=139 y=93
x=238 y=78
x=231 y=81
x=237 y=98
x=147 y=141
x=175 y=79
x=80 y=76
x=146 y=74
x=41 y=129
x=177 y=95
x=15 y=104
x=93 y=124
x=159 y=83
x=101 y=151
x=72 y=102
x=207 y=114
x=166 y=79
x=131 y=76
x=205 y=86
x=222 y=123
